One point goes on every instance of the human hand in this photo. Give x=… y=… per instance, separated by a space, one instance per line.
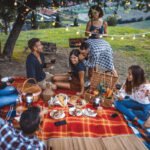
x=79 y=93
x=20 y=109
x=43 y=112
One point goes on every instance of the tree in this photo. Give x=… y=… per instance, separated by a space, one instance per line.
x=7 y=15
x=22 y=9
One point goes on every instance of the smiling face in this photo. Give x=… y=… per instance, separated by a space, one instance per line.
x=74 y=59
x=38 y=47
x=95 y=14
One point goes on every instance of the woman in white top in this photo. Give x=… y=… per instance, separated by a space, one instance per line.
x=137 y=106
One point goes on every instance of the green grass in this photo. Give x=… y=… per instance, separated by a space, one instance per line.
x=138 y=48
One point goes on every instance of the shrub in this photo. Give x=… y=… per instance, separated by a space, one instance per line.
x=112 y=20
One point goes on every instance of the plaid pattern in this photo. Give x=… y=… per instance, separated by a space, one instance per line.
x=15 y=140
x=144 y=135
x=100 y=54
x=102 y=125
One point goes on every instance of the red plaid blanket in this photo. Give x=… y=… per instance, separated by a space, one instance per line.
x=102 y=125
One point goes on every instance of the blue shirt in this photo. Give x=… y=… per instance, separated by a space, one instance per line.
x=33 y=67
x=100 y=31
x=77 y=68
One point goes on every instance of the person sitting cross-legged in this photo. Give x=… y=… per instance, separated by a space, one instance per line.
x=133 y=99
x=36 y=62
x=13 y=139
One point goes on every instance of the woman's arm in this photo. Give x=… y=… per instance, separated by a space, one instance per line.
x=81 y=77
x=105 y=29
x=87 y=31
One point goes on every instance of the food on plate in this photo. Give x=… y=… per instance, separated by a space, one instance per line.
x=57 y=114
x=81 y=103
x=96 y=92
x=62 y=98
x=75 y=112
x=73 y=99
x=89 y=112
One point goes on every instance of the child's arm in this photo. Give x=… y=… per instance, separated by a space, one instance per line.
x=105 y=28
x=81 y=77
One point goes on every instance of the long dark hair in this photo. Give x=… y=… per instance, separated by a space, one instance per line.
x=138 y=78
x=73 y=52
x=97 y=8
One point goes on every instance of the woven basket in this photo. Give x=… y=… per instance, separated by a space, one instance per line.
x=107 y=102
x=88 y=96
x=107 y=78
x=30 y=88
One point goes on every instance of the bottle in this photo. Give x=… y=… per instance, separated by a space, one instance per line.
x=96 y=102
x=29 y=99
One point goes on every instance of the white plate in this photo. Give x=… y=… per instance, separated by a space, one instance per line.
x=52 y=114
x=72 y=112
x=89 y=112
x=56 y=100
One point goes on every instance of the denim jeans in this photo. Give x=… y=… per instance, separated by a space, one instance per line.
x=133 y=109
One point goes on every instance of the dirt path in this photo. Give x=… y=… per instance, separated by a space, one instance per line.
x=12 y=68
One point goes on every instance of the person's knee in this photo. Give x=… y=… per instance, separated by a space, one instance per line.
x=54 y=78
x=117 y=104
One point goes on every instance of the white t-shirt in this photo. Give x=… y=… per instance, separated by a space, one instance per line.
x=140 y=94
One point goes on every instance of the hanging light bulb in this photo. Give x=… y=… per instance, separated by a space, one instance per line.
x=101 y=36
x=122 y=38
x=137 y=4
x=77 y=32
x=112 y=38
x=42 y=18
x=27 y=9
x=15 y=3
x=53 y=23
x=90 y=34
x=143 y=35
x=134 y=37
x=67 y=29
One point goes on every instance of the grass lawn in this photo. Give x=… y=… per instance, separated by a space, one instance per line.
x=139 y=48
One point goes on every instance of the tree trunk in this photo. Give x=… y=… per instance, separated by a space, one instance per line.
x=6 y=27
x=13 y=36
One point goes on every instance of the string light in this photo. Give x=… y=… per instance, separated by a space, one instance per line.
x=90 y=34
x=27 y=9
x=53 y=24
x=15 y=3
x=134 y=37
x=42 y=18
x=101 y=36
x=77 y=32
x=67 y=29
x=122 y=38
x=112 y=38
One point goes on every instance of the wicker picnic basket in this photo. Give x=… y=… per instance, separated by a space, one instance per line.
x=30 y=88
x=106 y=102
x=101 y=77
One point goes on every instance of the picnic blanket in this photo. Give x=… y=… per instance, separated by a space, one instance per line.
x=103 y=125
x=143 y=134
